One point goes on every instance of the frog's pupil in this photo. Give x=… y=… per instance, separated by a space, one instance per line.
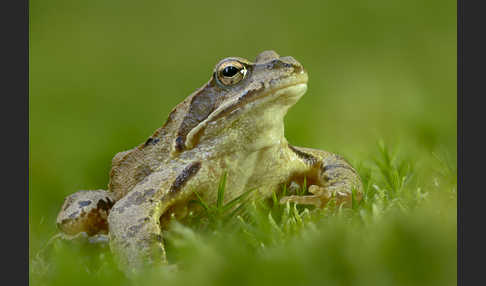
x=230 y=71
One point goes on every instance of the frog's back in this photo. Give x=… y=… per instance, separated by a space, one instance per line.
x=130 y=167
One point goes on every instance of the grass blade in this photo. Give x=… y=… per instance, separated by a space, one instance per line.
x=221 y=188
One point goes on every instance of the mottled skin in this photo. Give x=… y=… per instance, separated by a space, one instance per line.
x=232 y=124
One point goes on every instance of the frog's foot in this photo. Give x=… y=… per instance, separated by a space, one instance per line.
x=302 y=200
x=85 y=212
x=332 y=179
x=320 y=197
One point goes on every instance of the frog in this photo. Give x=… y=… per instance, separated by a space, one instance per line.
x=233 y=126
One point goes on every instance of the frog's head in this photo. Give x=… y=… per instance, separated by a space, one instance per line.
x=243 y=81
x=255 y=94
x=282 y=80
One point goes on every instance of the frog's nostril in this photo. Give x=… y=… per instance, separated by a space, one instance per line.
x=291 y=61
x=299 y=69
x=286 y=63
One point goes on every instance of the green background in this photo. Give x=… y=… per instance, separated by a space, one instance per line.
x=105 y=74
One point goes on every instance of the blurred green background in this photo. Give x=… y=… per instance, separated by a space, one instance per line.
x=105 y=74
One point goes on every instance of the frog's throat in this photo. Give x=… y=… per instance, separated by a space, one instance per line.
x=294 y=91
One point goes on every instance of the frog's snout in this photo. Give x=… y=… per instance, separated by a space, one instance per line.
x=291 y=62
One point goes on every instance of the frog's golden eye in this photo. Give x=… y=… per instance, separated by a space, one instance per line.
x=231 y=72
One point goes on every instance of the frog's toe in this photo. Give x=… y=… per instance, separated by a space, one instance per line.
x=321 y=196
x=302 y=200
x=319 y=191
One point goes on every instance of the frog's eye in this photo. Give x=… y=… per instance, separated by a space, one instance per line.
x=231 y=72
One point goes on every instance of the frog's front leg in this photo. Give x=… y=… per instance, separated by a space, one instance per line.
x=135 y=230
x=135 y=233
x=330 y=176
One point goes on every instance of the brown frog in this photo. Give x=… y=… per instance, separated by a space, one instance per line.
x=233 y=124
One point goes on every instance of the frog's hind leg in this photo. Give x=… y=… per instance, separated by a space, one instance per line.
x=329 y=176
x=85 y=212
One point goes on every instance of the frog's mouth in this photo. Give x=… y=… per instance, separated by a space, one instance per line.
x=287 y=90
